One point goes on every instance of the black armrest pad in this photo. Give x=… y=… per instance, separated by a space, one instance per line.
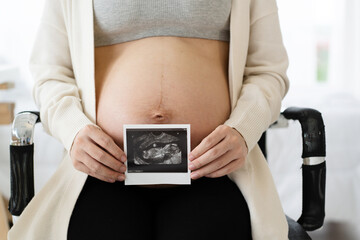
x=296 y=232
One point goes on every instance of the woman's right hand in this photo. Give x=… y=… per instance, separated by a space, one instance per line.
x=96 y=154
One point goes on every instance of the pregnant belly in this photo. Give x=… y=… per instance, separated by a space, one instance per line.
x=161 y=89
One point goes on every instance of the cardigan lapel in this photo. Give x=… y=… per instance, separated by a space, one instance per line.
x=230 y=72
x=83 y=59
x=237 y=50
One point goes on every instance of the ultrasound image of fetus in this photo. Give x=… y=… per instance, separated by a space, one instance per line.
x=156 y=149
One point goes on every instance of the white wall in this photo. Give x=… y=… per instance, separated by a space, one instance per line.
x=19 y=20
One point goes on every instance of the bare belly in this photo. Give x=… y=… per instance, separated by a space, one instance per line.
x=162 y=80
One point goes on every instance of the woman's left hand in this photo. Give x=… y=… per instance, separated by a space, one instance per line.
x=221 y=152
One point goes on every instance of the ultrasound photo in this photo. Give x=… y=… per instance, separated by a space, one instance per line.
x=157 y=150
x=157 y=153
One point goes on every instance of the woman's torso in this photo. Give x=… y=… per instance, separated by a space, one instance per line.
x=162 y=62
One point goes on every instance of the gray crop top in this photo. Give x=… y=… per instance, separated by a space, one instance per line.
x=117 y=21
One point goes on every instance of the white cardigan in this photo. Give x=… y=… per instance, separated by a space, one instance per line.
x=62 y=65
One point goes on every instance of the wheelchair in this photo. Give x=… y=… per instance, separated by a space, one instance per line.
x=313 y=167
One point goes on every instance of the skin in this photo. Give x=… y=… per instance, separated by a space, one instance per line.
x=162 y=80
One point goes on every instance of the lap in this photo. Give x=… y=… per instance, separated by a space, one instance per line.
x=110 y=211
x=206 y=209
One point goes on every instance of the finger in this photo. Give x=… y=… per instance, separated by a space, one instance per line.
x=214 y=165
x=98 y=168
x=212 y=154
x=105 y=158
x=107 y=143
x=83 y=168
x=226 y=169
x=208 y=142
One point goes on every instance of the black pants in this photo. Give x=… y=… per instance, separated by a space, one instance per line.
x=206 y=209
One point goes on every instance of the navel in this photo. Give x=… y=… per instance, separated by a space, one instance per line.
x=160 y=116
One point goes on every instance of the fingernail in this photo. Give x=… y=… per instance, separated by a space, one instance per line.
x=191 y=157
x=191 y=166
x=194 y=175
x=123 y=169
x=121 y=178
x=123 y=159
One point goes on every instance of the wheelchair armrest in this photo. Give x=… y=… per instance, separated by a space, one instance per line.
x=21 y=161
x=314 y=165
